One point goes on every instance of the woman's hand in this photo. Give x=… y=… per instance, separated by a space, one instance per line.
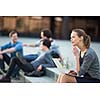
x=75 y=51
x=72 y=72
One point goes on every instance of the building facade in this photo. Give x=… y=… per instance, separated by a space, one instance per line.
x=60 y=26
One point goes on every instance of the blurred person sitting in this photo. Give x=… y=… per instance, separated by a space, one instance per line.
x=9 y=50
x=54 y=49
x=43 y=61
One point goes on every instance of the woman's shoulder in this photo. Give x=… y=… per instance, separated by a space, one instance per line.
x=91 y=52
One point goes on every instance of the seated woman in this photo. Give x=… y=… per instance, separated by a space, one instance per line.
x=87 y=63
x=44 y=60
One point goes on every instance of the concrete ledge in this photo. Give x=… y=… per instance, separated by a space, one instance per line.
x=55 y=72
x=50 y=77
x=43 y=79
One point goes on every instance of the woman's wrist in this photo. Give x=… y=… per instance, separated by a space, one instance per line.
x=77 y=57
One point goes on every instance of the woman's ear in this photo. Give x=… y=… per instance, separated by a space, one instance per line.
x=81 y=37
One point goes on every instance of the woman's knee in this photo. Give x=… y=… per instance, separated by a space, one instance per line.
x=67 y=79
x=61 y=78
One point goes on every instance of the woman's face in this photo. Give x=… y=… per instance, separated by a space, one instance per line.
x=75 y=40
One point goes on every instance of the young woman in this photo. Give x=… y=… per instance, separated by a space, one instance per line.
x=87 y=63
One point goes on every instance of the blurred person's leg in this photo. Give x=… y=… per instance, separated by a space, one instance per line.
x=2 y=65
x=15 y=73
x=30 y=57
x=6 y=58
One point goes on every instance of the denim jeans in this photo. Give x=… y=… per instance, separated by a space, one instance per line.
x=30 y=57
x=2 y=65
x=7 y=59
x=27 y=67
x=15 y=71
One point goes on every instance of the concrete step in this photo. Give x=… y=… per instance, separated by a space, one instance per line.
x=42 y=79
x=50 y=77
x=53 y=73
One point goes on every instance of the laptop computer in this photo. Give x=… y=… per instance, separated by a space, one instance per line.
x=62 y=68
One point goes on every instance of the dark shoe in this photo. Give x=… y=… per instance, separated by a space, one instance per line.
x=35 y=73
x=5 y=79
x=20 y=57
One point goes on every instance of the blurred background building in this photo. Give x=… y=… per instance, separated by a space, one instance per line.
x=61 y=26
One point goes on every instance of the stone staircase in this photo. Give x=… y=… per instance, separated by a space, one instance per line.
x=50 y=77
